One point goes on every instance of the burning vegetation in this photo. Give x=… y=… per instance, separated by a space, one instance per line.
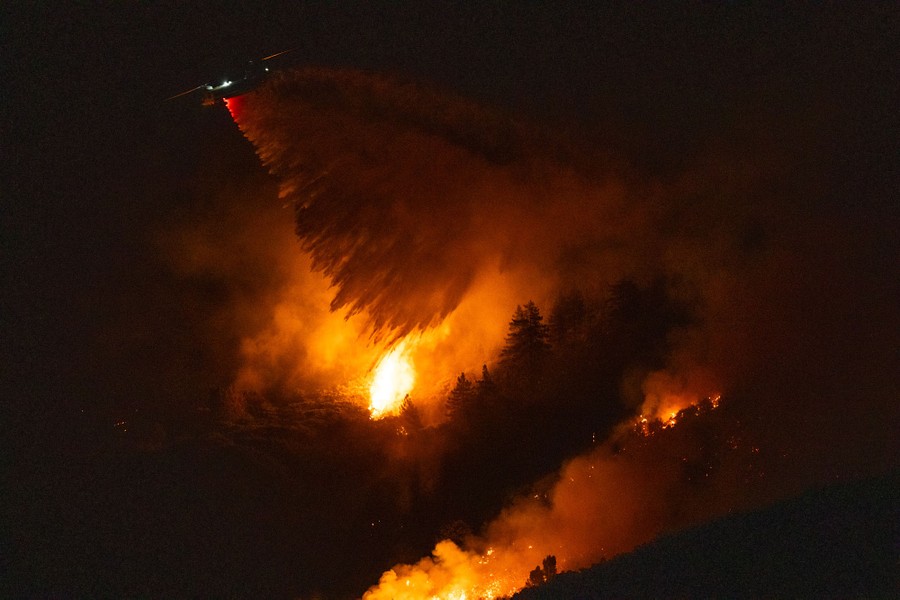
x=489 y=348
x=392 y=381
x=474 y=348
x=507 y=427
x=605 y=502
x=427 y=218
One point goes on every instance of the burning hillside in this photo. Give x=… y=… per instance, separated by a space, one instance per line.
x=429 y=217
x=620 y=495
x=495 y=294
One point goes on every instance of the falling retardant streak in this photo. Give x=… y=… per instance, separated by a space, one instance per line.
x=403 y=196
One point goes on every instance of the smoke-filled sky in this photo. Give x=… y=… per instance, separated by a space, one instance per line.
x=441 y=165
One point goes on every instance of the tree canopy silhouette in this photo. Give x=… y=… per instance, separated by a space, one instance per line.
x=462 y=395
x=527 y=342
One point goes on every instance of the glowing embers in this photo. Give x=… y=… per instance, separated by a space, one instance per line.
x=648 y=426
x=450 y=573
x=392 y=380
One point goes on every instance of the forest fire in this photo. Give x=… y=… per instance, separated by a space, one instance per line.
x=441 y=307
x=449 y=573
x=629 y=327
x=392 y=381
x=603 y=503
x=467 y=271
x=647 y=425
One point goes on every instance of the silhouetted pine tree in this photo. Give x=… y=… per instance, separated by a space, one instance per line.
x=462 y=396
x=540 y=576
x=486 y=384
x=527 y=341
x=410 y=418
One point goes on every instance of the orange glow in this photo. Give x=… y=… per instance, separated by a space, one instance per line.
x=604 y=503
x=671 y=421
x=450 y=573
x=667 y=393
x=643 y=425
x=392 y=380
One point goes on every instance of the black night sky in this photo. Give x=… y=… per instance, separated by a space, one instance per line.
x=777 y=124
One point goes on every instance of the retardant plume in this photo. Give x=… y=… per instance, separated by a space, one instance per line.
x=403 y=196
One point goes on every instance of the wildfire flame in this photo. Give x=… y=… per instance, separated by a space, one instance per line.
x=603 y=495
x=643 y=424
x=392 y=380
x=450 y=573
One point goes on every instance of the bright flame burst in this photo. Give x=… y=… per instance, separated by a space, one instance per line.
x=450 y=573
x=392 y=380
x=645 y=424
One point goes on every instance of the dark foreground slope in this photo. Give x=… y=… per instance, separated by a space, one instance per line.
x=839 y=542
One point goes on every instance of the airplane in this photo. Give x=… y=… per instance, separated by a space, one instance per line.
x=254 y=74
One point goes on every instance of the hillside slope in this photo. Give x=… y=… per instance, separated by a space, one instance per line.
x=837 y=542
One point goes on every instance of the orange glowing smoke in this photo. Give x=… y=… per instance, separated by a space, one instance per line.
x=392 y=380
x=603 y=503
x=668 y=392
x=449 y=573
